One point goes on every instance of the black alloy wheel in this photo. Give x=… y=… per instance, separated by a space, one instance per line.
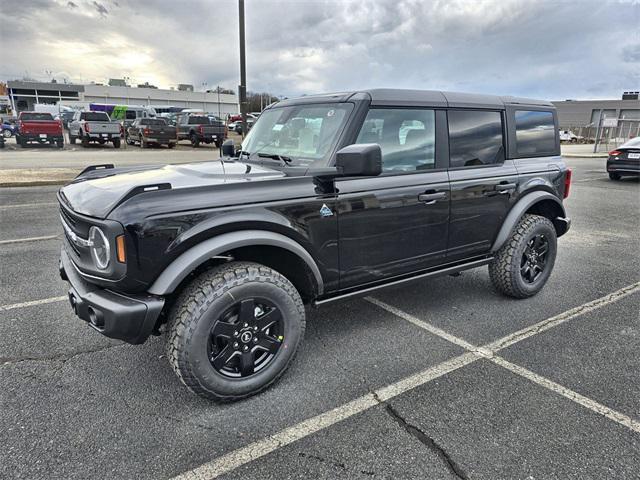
x=533 y=259
x=246 y=338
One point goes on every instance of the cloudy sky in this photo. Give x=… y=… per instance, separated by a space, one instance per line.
x=547 y=49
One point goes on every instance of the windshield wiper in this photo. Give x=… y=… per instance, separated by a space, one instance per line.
x=275 y=156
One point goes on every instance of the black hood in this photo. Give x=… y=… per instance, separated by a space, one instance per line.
x=98 y=192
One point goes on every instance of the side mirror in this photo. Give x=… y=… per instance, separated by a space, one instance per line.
x=360 y=160
x=228 y=148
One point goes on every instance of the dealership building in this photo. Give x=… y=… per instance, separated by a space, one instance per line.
x=585 y=113
x=23 y=95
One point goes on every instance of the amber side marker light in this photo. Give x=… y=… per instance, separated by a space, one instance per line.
x=121 y=254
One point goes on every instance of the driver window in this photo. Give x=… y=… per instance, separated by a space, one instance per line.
x=406 y=138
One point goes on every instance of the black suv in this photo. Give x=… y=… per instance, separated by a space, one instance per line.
x=330 y=197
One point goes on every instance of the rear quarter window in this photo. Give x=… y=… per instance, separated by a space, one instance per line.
x=535 y=132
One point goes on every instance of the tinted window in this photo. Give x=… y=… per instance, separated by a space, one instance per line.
x=95 y=116
x=475 y=138
x=198 y=120
x=406 y=137
x=130 y=115
x=153 y=121
x=36 y=116
x=535 y=132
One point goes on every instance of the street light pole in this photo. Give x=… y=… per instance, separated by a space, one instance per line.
x=242 y=90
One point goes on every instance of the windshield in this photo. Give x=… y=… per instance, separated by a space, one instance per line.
x=304 y=133
x=634 y=142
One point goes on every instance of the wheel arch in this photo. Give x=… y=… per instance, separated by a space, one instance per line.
x=271 y=249
x=538 y=203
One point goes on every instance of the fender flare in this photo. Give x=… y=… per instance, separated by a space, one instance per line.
x=518 y=210
x=188 y=261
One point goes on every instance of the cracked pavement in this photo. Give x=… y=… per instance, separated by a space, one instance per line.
x=76 y=405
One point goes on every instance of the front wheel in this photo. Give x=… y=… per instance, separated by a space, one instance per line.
x=524 y=263
x=234 y=331
x=6 y=133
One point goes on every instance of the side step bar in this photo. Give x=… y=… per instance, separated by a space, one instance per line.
x=434 y=273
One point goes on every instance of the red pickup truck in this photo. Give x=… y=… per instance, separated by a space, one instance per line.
x=39 y=127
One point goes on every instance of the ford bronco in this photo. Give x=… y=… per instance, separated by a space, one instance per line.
x=330 y=197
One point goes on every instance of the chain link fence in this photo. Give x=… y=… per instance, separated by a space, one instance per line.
x=607 y=135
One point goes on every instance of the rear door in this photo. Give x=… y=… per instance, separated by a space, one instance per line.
x=395 y=223
x=483 y=183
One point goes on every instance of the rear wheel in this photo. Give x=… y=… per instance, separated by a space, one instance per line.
x=524 y=263
x=60 y=143
x=234 y=331
x=84 y=140
x=171 y=145
x=143 y=143
x=195 y=141
x=614 y=176
x=116 y=143
x=6 y=133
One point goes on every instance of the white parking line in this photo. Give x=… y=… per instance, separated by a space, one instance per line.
x=32 y=303
x=570 y=394
x=490 y=350
x=28 y=205
x=28 y=239
x=244 y=455
x=260 y=448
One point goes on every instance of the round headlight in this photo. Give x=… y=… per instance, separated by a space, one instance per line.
x=100 y=250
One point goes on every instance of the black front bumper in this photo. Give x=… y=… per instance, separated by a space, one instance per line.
x=131 y=318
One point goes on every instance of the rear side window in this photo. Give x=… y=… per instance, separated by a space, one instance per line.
x=475 y=138
x=535 y=132
x=406 y=138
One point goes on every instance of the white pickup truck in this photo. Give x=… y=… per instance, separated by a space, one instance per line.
x=94 y=127
x=569 y=136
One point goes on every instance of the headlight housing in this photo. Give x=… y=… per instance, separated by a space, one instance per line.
x=100 y=248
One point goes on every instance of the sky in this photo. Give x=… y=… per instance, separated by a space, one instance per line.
x=543 y=49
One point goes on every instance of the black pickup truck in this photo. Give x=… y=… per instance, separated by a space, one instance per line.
x=200 y=128
x=151 y=131
x=330 y=197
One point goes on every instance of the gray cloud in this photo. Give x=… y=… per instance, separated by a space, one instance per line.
x=543 y=49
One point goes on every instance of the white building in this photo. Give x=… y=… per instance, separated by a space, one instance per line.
x=24 y=95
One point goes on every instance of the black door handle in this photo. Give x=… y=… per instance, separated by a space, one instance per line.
x=431 y=198
x=504 y=188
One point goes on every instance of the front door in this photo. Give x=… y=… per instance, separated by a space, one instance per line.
x=395 y=223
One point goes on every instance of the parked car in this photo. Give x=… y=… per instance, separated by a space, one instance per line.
x=40 y=128
x=237 y=126
x=152 y=131
x=9 y=128
x=94 y=127
x=569 y=136
x=66 y=117
x=322 y=203
x=624 y=160
x=199 y=128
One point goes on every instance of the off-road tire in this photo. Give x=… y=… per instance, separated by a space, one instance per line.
x=72 y=139
x=196 y=310
x=84 y=140
x=116 y=143
x=504 y=269
x=614 y=176
x=60 y=143
x=195 y=141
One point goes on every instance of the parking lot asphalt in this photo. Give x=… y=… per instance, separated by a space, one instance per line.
x=396 y=385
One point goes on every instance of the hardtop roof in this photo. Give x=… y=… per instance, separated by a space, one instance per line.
x=419 y=98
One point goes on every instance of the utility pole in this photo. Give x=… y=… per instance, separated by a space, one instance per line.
x=242 y=88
